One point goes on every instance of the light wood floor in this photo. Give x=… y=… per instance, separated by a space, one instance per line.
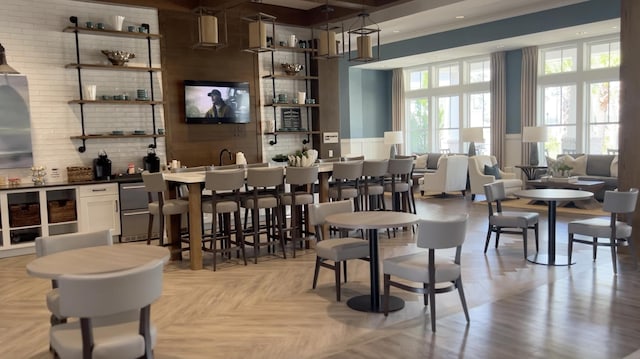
x=268 y=310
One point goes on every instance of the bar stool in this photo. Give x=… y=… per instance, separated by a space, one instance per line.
x=299 y=197
x=225 y=186
x=154 y=183
x=346 y=180
x=264 y=192
x=372 y=188
x=400 y=186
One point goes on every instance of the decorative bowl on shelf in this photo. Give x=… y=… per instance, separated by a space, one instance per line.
x=291 y=69
x=118 y=57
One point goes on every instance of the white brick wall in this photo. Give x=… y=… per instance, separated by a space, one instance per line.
x=31 y=32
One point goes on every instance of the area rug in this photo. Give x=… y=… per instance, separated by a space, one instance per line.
x=524 y=204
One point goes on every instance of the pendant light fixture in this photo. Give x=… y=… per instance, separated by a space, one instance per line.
x=261 y=26
x=212 y=28
x=327 y=45
x=4 y=67
x=365 y=33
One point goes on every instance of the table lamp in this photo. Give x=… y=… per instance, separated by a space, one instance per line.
x=472 y=135
x=534 y=135
x=393 y=138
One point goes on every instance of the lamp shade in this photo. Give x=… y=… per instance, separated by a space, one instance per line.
x=393 y=138
x=472 y=134
x=208 y=29
x=534 y=134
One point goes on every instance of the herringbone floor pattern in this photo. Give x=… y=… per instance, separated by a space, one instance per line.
x=269 y=310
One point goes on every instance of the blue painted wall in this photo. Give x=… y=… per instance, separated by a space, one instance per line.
x=378 y=122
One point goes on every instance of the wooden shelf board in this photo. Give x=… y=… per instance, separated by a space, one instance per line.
x=112 y=67
x=105 y=32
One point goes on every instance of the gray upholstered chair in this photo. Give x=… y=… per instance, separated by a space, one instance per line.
x=426 y=268
x=346 y=179
x=499 y=219
x=299 y=197
x=616 y=232
x=225 y=187
x=114 y=310
x=65 y=242
x=372 y=187
x=156 y=186
x=338 y=250
x=400 y=186
x=264 y=190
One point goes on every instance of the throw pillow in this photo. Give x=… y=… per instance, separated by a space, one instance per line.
x=492 y=171
x=614 y=167
x=578 y=165
x=421 y=161
x=551 y=163
x=432 y=160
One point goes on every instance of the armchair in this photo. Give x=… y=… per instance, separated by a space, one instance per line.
x=478 y=178
x=451 y=175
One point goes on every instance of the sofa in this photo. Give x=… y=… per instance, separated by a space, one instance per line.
x=590 y=168
x=478 y=177
x=426 y=162
x=450 y=176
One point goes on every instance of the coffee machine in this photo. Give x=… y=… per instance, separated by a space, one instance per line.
x=102 y=166
x=151 y=161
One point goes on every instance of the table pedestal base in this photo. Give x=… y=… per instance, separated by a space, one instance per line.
x=362 y=303
x=544 y=259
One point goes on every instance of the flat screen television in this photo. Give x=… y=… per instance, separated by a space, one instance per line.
x=213 y=102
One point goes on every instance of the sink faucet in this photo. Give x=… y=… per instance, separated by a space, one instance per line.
x=222 y=152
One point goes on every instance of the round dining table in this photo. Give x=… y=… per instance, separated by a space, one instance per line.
x=94 y=260
x=552 y=196
x=372 y=221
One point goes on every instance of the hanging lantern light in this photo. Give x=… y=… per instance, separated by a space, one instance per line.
x=366 y=34
x=212 y=28
x=327 y=45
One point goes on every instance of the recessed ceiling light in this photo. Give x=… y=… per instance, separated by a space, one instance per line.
x=460 y=17
x=581 y=33
x=499 y=46
x=395 y=31
x=614 y=27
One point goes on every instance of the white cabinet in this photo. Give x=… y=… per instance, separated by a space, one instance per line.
x=99 y=208
x=29 y=212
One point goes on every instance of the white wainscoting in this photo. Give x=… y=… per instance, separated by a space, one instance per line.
x=371 y=148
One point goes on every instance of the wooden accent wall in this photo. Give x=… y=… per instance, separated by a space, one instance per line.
x=195 y=144
x=629 y=161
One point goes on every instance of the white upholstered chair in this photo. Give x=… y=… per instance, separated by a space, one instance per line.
x=617 y=232
x=65 y=242
x=114 y=310
x=426 y=268
x=499 y=219
x=450 y=176
x=478 y=178
x=338 y=250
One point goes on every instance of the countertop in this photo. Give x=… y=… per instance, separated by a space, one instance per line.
x=126 y=178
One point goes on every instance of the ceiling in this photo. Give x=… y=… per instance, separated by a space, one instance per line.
x=404 y=19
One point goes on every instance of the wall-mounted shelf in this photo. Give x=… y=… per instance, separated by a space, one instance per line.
x=290 y=77
x=115 y=102
x=79 y=66
x=291 y=105
x=112 y=67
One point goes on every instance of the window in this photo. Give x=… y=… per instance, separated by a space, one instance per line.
x=579 y=104
x=438 y=106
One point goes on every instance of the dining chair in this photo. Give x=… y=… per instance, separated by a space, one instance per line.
x=155 y=184
x=114 y=310
x=264 y=190
x=499 y=219
x=47 y=245
x=299 y=197
x=616 y=231
x=338 y=250
x=424 y=267
x=225 y=186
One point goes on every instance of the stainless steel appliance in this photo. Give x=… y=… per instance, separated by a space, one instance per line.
x=134 y=213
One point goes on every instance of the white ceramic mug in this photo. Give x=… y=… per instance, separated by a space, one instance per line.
x=116 y=22
x=302 y=97
x=89 y=92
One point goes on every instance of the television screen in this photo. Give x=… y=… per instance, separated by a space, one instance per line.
x=211 y=102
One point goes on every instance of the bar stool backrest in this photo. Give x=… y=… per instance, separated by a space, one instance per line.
x=348 y=170
x=375 y=168
x=225 y=180
x=402 y=166
x=301 y=175
x=265 y=176
x=620 y=202
x=154 y=182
